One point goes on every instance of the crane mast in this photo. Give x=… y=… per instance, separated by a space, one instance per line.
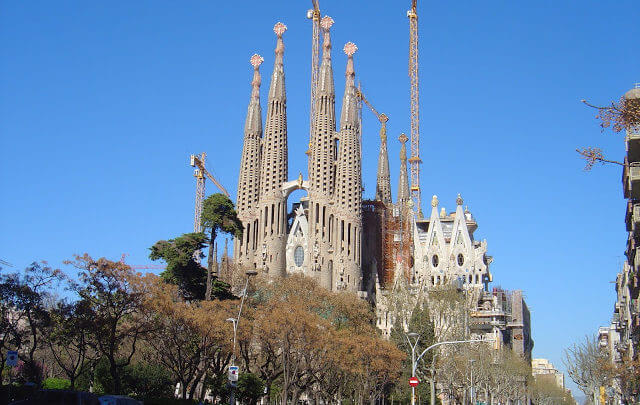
x=200 y=173
x=415 y=115
x=314 y=16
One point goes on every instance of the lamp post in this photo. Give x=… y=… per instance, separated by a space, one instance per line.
x=235 y=321
x=413 y=335
x=451 y=342
x=472 y=388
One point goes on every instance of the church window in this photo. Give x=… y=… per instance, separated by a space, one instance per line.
x=298 y=255
x=435 y=260
x=460 y=259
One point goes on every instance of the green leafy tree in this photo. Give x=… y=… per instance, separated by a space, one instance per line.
x=420 y=323
x=182 y=256
x=250 y=388
x=148 y=381
x=184 y=270
x=218 y=215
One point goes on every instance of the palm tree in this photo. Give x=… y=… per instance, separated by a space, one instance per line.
x=218 y=215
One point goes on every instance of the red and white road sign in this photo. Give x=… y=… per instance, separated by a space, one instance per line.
x=413 y=381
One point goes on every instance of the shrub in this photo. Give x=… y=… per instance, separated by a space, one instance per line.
x=53 y=383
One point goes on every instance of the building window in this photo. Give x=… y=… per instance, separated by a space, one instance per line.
x=460 y=259
x=298 y=255
x=435 y=260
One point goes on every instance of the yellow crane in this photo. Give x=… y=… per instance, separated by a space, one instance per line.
x=314 y=15
x=414 y=160
x=200 y=173
x=381 y=117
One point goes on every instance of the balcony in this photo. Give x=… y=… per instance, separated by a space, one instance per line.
x=635 y=220
x=632 y=181
x=633 y=145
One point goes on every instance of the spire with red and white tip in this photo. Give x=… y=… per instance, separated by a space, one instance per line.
x=349 y=114
x=322 y=146
x=254 y=119
x=249 y=177
x=277 y=79
x=274 y=167
x=325 y=84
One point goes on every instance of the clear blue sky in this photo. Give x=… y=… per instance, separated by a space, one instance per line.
x=102 y=103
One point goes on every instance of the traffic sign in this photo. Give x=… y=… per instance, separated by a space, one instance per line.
x=12 y=358
x=233 y=373
x=413 y=381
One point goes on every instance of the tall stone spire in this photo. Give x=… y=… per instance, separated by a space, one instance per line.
x=403 y=183
x=322 y=144
x=349 y=116
x=249 y=177
x=349 y=181
x=383 y=184
x=272 y=217
x=348 y=195
x=274 y=167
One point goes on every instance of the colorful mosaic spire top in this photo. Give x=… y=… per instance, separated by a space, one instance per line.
x=326 y=22
x=279 y=28
x=256 y=61
x=350 y=48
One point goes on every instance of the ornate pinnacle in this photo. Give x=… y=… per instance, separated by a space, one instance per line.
x=403 y=138
x=256 y=60
x=434 y=201
x=279 y=29
x=459 y=200
x=350 y=48
x=326 y=22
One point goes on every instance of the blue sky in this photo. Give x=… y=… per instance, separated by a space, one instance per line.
x=103 y=102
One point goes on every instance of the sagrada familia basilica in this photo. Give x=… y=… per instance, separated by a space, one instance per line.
x=368 y=247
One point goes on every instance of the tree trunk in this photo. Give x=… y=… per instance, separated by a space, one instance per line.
x=210 y=265
x=113 y=370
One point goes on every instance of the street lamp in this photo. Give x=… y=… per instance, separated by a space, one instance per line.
x=235 y=321
x=415 y=362
x=413 y=335
x=472 y=388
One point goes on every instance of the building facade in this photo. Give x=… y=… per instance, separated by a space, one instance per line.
x=374 y=248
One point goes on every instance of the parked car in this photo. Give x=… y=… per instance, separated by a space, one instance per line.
x=60 y=397
x=118 y=400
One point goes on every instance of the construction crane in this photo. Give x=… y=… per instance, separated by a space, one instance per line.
x=381 y=117
x=5 y=263
x=314 y=15
x=414 y=160
x=142 y=266
x=200 y=173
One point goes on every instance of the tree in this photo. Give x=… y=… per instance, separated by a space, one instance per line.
x=23 y=299
x=182 y=268
x=188 y=338
x=218 y=215
x=420 y=323
x=114 y=297
x=619 y=116
x=587 y=365
x=68 y=338
x=250 y=388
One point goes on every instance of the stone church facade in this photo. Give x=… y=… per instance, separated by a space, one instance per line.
x=332 y=234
